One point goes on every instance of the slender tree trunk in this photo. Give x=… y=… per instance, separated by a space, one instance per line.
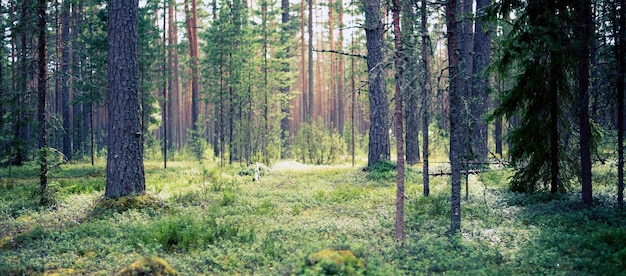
x=41 y=110
x=399 y=124
x=456 y=128
x=412 y=74
x=480 y=80
x=164 y=91
x=65 y=79
x=584 y=7
x=192 y=19
x=341 y=110
x=425 y=95
x=311 y=100
x=125 y=170
x=285 y=90
x=621 y=84
x=305 y=98
x=173 y=102
x=378 y=147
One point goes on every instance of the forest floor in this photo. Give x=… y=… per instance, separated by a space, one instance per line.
x=302 y=219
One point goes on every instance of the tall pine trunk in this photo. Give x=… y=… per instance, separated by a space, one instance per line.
x=65 y=79
x=456 y=109
x=480 y=80
x=425 y=95
x=125 y=170
x=379 y=108
x=620 y=53
x=398 y=122
x=584 y=7
x=41 y=109
x=311 y=95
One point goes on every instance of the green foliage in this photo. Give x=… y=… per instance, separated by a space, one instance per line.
x=304 y=219
x=386 y=170
x=186 y=232
x=149 y=266
x=197 y=144
x=334 y=262
x=316 y=144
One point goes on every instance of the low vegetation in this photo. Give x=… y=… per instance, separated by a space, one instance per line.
x=300 y=219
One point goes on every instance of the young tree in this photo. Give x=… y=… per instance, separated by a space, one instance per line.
x=125 y=170
x=378 y=147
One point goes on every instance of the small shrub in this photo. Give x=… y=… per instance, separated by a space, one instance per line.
x=334 y=262
x=149 y=266
x=316 y=144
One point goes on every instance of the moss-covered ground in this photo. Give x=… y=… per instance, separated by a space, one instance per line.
x=301 y=219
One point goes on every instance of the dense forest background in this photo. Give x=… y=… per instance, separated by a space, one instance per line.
x=527 y=96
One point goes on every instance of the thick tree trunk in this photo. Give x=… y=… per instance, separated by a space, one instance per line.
x=584 y=7
x=456 y=109
x=398 y=122
x=379 y=108
x=41 y=110
x=125 y=170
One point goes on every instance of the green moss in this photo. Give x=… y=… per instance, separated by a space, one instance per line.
x=122 y=204
x=334 y=262
x=149 y=266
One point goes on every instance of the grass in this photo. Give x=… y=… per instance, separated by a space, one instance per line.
x=300 y=219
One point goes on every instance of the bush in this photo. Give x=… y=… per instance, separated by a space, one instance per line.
x=318 y=145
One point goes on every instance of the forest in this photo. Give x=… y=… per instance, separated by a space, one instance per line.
x=293 y=137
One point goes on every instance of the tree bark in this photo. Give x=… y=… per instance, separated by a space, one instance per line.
x=425 y=95
x=584 y=7
x=41 y=109
x=620 y=53
x=125 y=170
x=399 y=124
x=65 y=79
x=285 y=90
x=480 y=80
x=456 y=128
x=412 y=74
x=379 y=108
x=311 y=95
x=191 y=21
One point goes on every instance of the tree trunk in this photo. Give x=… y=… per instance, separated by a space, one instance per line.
x=285 y=108
x=65 y=79
x=125 y=170
x=164 y=89
x=173 y=102
x=379 y=108
x=311 y=95
x=584 y=7
x=412 y=74
x=398 y=119
x=620 y=53
x=191 y=21
x=480 y=80
x=341 y=110
x=425 y=95
x=41 y=110
x=456 y=109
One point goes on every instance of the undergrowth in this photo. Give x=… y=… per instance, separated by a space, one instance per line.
x=301 y=219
